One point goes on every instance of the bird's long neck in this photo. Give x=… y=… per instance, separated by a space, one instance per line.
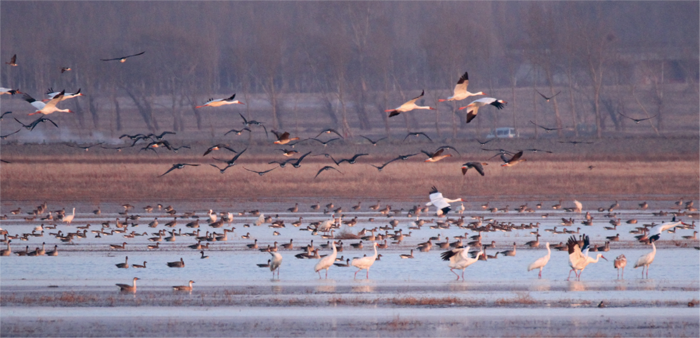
x=423 y=107
x=452 y=201
x=375 y=251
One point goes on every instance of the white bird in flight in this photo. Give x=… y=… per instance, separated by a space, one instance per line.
x=440 y=202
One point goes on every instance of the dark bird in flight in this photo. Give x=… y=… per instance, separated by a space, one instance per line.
x=85 y=147
x=349 y=160
x=297 y=164
x=405 y=157
x=547 y=129
x=238 y=132
x=248 y=123
x=219 y=147
x=5 y=113
x=328 y=131
x=221 y=170
x=639 y=120
x=547 y=98
x=538 y=150
x=65 y=69
x=475 y=165
x=577 y=142
x=283 y=163
x=288 y=153
x=374 y=143
x=260 y=172
x=483 y=143
x=36 y=122
x=159 y=137
x=178 y=166
x=515 y=159
x=157 y=144
x=13 y=61
x=417 y=134
x=10 y=134
x=385 y=164
x=232 y=161
x=326 y=142
x=123 y=58
x=327 y=168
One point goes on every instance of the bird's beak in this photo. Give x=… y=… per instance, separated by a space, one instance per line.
x=241 y=103
x=603 y=257
x=431 y=108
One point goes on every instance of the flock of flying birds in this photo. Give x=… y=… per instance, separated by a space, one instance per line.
x=152 y=142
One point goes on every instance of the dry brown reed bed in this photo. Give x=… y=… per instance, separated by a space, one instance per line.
x=401 y=180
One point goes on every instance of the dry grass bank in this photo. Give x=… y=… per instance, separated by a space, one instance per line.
x=403 y=179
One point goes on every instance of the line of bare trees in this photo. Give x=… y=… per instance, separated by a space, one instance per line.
x=359 y=58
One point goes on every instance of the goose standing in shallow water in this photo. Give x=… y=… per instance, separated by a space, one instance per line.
x=127 y=287
x=124 y=265
x=180 y=264
x=183 y=287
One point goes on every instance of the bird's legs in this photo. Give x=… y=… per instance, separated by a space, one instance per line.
x=453 y=271
x=643 y=271
x=356 y=274
x=368 y=273
x=462 y=275
x=319 y=274
x=572 y=269
x=623 y=273
x=326 y=273
x=647 y=272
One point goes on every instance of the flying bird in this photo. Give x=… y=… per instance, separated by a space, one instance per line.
x=478 y=166
x=221 y=170
x=408 y=106
x=440 y=202
x=218 y=147
x=5 y=113
x=51 y=94
x=220 y=102
x=260 y=172
x=326 y=142
x=238 y=132
x=475 y=105
x=545 y=97
x=9 y=91
x=248 y=123
x=577 y=142
x=417 y=134
x=547 y=129
x=283 y=138
x=349 y=160
x=297 y=164
x=46 y=108
x=10 y=134
x=232 y=161
x=13 y=61
x=179 y=166
x=122 y=59
x=513 y=160
x=65 y=69
x=326 y=168
x=384 y=165
x=36 y=122
x=328 y=131
x=288 y=153
x=460 y=92
x=374 y=143
x=436 y=156
x=639 y=120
